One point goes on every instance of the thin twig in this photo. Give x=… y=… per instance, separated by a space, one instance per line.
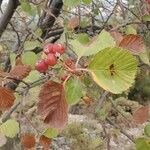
x=114 y=106
x=7 y=115
x=121 y=130
x=107 y=136
x=33 y=126
x=102 y=98
x=105 y=23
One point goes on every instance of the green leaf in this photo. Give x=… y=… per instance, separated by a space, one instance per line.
x=13 y=59
x=103 y=40
x=114 y=69
x=84 y=22
x=73 y=91
x=30 y=45
x=83 y=38
x=10 y=128
x=147 y=130
x=28 y=8
x=145 y=58
x=142 y=144
x=130 y=30
x=29 y=58
x=50 y=133
x=38 y=32
x=87 y=2
x=33 y=76
x=146 y=18
x=25 y=6
x=72 y=3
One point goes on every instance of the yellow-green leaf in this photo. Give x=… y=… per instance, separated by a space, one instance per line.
x=29 y=58
x=142 y=144
x=72 y=3
x=114 y=69
x=30 y=45
x=87 y=2
x=130 y=30
x=33 y=76
x=10 y=128
x=103 y=40
x=50 y=133
x=145 y=58
x=28 y=8
x=147 y=130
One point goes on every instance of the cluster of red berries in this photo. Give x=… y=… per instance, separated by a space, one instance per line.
x=52 y=51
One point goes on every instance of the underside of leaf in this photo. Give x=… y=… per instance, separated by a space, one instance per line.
x=134 y=43
x=20 y=71
x=140 y=115
x=52 y=105
x=28 y=141
x=6 y=98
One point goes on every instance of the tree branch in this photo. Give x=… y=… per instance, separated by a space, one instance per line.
x=1 y=2
x=7 y=15
x=49 y=16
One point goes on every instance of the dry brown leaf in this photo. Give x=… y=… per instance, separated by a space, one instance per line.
x=73 y=23
x=134 y=43
x=20 y=72
x=117 y=36
x=6 y=98
x=52 y=105
x=45 y=142
x=28 y=140
x=140 y=115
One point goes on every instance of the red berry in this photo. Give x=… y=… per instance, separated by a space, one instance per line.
x=59 y=48
x=64 y=77
x=41 y=66
x=51 y=60
x=48 y=48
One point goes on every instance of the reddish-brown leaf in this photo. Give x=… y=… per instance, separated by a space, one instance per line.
x=52 y=105
x=45 y=142
x=140 y=115
x=134 y=43
x=73 y=23
x=20 y=71
x=6 y=98
x=117 y=36
x=28 y=140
